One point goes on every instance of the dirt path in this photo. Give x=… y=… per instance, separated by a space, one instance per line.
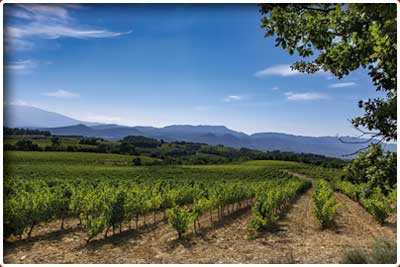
x=297 y=239
x=301 y=176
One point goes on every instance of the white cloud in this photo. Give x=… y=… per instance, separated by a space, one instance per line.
x=304 y=96
x=231 y=98
x=341 y=85
x=61 y=94
x=18 y=103
x=280 y=70
x=20 y=65
x=48 y=22
x=58 y=31
x=275 y=88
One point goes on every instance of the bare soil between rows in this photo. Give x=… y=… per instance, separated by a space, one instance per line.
x=296 y=239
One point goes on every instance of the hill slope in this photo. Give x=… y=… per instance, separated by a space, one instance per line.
x=17 y=116
x=23 y=116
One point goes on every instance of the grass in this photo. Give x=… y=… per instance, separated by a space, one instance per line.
x=70 y=158
x=70 y=165
x=383 y=252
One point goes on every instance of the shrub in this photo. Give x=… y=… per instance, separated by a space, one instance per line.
x=94 y=141
x=55 y=140
x=263 y=214
x=355 y=256
x=379 y=205
x=347 y=188
x=383 y=252
x=26 y=145
x=324 y=203
x=179 y=218
x=136 y=161
x=8 y=147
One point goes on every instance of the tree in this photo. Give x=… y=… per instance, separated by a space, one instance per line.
x=341 y=38
x=26 y=145
x=374 y=167
x=126 y=148
x=55 y=140
x=141 y=141
x=136 y=161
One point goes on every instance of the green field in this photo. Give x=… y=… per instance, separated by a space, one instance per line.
x=106 y=192
x=73 y=165
x=40 y=186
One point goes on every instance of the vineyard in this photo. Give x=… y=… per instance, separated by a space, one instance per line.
x=101 y=198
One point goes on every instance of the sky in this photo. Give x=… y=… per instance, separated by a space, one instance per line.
x=158 y=65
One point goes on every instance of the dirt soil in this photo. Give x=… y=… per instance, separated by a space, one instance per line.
x=297 y=239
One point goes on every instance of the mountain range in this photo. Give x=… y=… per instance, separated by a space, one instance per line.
x=32 y=117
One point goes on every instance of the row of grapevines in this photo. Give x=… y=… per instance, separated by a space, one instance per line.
x=221 y=197
x=104 y=204
x=325 y=204
x=34 y=203
x=375 y=202
x=270 y=201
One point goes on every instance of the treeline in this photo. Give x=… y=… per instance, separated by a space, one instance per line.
x=19 y=131
x=177 y=152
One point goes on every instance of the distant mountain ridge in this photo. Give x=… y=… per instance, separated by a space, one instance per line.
x=214 y=135
x=26 y=116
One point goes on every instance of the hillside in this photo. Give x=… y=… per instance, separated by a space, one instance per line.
x=22 y=116
x=220 y=135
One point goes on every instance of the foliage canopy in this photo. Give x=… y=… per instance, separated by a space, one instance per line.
x=341 y=38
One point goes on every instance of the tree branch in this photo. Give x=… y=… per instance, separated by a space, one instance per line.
x=364 y=148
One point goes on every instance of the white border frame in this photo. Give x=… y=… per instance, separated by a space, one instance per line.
x=159 y=2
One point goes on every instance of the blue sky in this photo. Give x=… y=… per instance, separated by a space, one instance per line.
x=159 y=65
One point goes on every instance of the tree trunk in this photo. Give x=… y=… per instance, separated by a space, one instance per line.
x=62 y=223
x=108 y=228
x=30 y=230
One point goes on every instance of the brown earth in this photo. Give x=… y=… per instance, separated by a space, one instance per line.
x=297 y=239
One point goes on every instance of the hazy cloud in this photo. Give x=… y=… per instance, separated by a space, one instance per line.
x=20 y=65
x=304 y=96
x=231 y=98
x=18 y=103
x=48 y=22
x=341 y=85
x=61 y=94
x=279 y=70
